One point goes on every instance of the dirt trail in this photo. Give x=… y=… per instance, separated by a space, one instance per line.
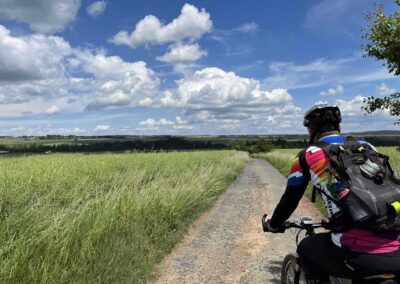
x=227 y=245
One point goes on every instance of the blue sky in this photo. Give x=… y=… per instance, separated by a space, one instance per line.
x=184 y=67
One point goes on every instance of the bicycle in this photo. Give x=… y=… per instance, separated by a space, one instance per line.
x=291 y=271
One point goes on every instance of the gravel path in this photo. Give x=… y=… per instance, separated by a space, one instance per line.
x=227 y=244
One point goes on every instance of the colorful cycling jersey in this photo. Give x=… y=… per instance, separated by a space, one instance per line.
x=317 y=161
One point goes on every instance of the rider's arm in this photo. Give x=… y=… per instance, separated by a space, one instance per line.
x=298 y=180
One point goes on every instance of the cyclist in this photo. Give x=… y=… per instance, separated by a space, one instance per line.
x=350 y=253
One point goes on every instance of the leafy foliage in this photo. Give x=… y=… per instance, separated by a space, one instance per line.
x=262 y=146
x=238 y=145
x=383 y=36
x=391 y=103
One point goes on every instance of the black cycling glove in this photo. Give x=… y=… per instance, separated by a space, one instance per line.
x=267 y=228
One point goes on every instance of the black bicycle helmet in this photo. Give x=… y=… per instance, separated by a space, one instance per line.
x=322 y=118
x=321 y=114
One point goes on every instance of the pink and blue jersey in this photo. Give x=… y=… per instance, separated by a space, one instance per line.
x=357 y=240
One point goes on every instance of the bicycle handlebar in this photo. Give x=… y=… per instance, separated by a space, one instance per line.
x=300 y=225
x=306 y=223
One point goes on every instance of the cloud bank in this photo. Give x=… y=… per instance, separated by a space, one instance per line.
x=43 y=16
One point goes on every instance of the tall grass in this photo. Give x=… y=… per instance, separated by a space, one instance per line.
x=394 y=159
x=282 y=159
x=105 y=218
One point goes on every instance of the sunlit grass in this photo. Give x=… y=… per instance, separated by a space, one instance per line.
x=394 y=159
x=106 y=218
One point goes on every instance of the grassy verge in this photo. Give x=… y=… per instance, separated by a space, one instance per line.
x=394 y=158
x=104 y=218
x=282 y=159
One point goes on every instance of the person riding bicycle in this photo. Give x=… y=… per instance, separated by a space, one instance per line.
x=350 y=253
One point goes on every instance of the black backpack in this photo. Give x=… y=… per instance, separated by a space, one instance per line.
x=362 y=183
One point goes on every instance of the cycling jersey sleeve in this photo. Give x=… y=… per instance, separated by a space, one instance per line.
x=298 y=180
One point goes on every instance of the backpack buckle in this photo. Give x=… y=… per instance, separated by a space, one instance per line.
x=396 y=206
x=361 y=149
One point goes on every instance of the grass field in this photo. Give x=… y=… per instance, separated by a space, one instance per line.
x=104 y=218
x=282 y=159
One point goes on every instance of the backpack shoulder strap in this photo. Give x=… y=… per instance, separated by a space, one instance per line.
x=303 y=163
x=306 y=171
x=335 y=153
x=327 y=148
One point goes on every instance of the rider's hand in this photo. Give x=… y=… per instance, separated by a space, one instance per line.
x=267 y=227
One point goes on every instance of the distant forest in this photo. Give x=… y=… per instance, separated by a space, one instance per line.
x=55 y=143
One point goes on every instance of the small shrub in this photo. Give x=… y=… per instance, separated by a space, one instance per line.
x=262 y=146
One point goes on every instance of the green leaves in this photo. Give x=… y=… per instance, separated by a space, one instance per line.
x=391 y=103
x=383 y=36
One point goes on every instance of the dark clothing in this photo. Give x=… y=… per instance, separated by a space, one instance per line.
x=320 y=257
x=327 y=252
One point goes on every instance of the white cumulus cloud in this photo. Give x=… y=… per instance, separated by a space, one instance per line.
x=192 y=23
x=78 y=130
x=212 y=95
x=117 y=82
x=145 y=102
x=103 y=127
x=43 y=16
x=42 y=130
x=181 y=124
x=31 y=57
x=385 y=90
x=351 y=107
x=230 y=123
x=39 y=67
x=152 y=124
x=53 y=110
x=355 y=118
x=181 y=53
x=214 y=88
x=338 y=90
x=96 y=8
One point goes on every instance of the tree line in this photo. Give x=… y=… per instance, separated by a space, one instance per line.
x=160 y=144
x=251 y=145
x=167 y=144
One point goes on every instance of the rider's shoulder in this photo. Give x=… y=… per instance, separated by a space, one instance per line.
x=309 y=150
x=307 y=154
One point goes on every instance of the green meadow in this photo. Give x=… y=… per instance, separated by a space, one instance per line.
x=102 y=218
